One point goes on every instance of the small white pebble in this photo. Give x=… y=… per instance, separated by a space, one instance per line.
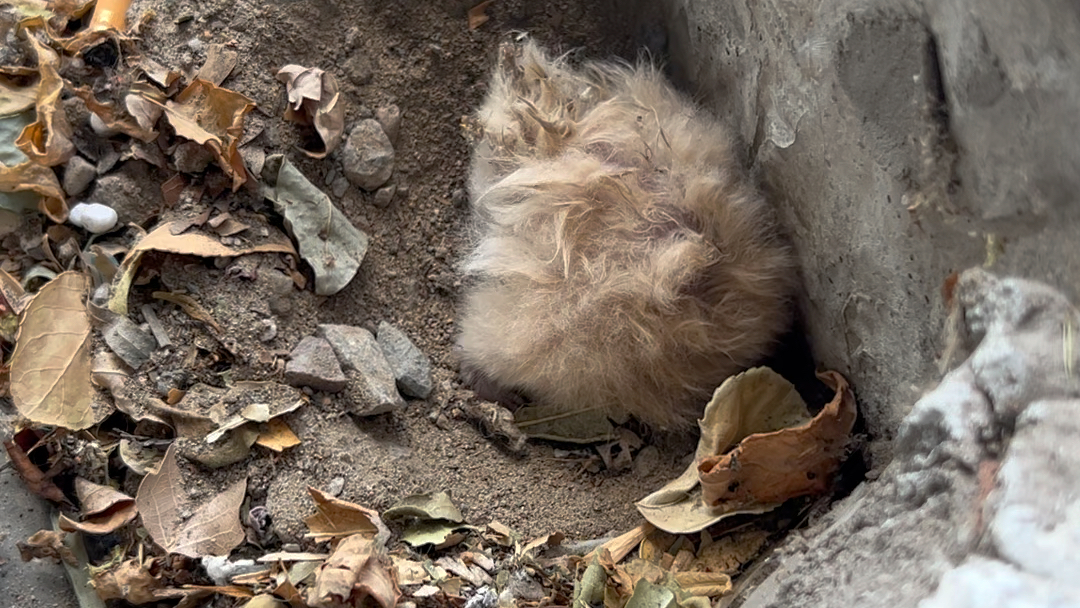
x=196 y=45
x=93 y=217
x=100 y=128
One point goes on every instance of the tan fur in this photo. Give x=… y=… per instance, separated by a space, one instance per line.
x=622 y=263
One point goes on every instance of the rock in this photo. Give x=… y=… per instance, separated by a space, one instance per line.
x=312 y=363
x=78 y=175
x=459 y=198
x=384 y=196
x=124 y=191
x=368 y=156
x=358 y=69
x=93 y=217
x=336 y=486
x=372 y=387
x=389 y=118
x=412 y=369
x=100 y=128
x=191 y=157
x=339 y=187
x=130 y=343
x=268 y=331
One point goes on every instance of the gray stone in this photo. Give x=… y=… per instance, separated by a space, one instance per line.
x=130 y=343
x=372 y=388
x=78 y=175
x=368 y=156
x=191 y=157
x=411 y=368
x=384 y=196
x=389 y=118
x=339 y=187
x=313 y=364
x=358 y=69
x=123 y=191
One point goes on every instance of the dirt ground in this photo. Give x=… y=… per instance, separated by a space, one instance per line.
x=422 y=57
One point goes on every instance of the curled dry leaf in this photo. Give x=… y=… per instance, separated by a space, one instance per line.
x=214 y=527
x=750 y=406
x=104 y=509
x=354 y=573
x=338 y=518
x=220 y=62
x=795 y=461
x=163 y=239
x=34 y=478
x=48 y=140
x=131 y=581
x=314 y=99
x=214 y=117
x=46 y=544
x=123 y=120
x=50 y=368
x=25 y=184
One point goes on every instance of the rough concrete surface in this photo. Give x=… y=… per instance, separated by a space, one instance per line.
x=979 y=506
x=902 y=141
x=36 y=584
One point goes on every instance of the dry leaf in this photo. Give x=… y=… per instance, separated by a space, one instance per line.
x=756 y=401
x=39 y=179
x=115 y=118
x=796 y=461
x=163 y=239
x=16 y=98
x=214 y=527
x=48 y=140
x=131 y=581
x=353 y=573
x=47 y=544
x=158 y=73
x=31 y=475
x=190 y=306
x=477 y=16
x=50 y=368
x=314 y=99
x=214 y=117
x=408 y=572
x=337 y=518
x=277 y=436
x=220 y=62
x=104 y=509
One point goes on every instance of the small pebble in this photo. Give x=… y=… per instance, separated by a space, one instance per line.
x=100 y=128
x=336 y=486
x=269 y=330
x=384 y=196
x=93 y=217
x=78 y=174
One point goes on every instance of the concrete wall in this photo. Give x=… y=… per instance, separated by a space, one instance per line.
x=901 y=142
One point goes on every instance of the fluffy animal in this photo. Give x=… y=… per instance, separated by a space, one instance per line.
x=621 y=262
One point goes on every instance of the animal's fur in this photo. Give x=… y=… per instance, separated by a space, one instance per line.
x=622 y=262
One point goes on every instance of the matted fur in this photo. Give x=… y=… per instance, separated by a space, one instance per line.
x=622 y=262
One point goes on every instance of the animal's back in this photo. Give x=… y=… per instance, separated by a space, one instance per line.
x=621 y=261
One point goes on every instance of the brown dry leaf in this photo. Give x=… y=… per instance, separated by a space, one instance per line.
x=50 y=368
x=131 y=581
x=47 y=544
x=15 y=97
x=115 y=118
x=477 y=16
x=277 y=436
x=48 y=140
x=548 y=540
x=620 y=546
x=730 y=552
x=104 y=509
x=796 y=461
x=756 y=401
x=314 y=99
x=337 y=518
x=145 y=112
x=705 y=584
x=32 y=177
x=158 y=73
x=171 y=189
x=220 y=62
x=214 y=117
x=354 y=573
x=190 y=306
x=214 y=527
x=162 y=238
x=34 y=478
